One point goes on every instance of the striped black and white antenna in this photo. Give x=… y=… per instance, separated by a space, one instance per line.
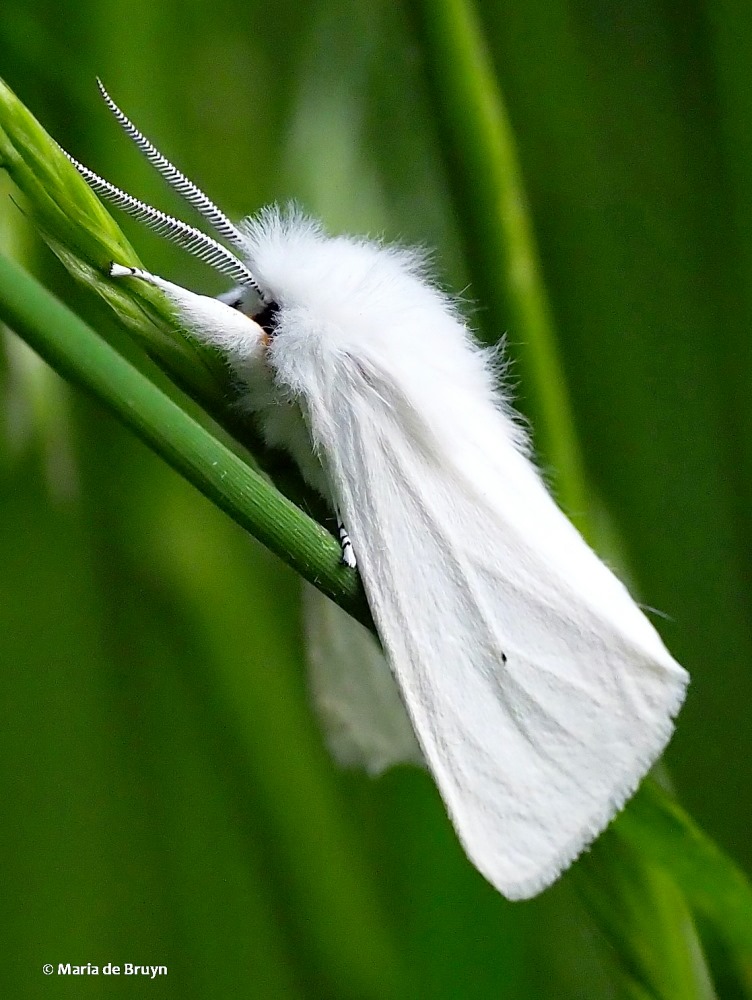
x=188 y=237
x=174 y=177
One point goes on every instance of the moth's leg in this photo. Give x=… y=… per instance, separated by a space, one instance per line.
x=209 y=320
x=348 y=554
x=120 y=271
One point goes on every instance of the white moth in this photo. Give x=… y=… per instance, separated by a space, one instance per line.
x=538 y=691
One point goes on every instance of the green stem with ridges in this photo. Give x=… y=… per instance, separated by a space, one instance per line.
x=486 y=182
x=79 y=355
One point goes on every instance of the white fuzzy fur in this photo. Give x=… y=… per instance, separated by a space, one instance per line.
x=539 y=692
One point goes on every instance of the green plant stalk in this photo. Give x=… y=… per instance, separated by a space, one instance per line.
x=486 y=180
x=79 y=355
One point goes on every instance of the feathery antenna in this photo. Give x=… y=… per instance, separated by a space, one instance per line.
x=174 y=177
x=188 y=237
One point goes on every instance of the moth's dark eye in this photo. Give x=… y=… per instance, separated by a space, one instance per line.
x=267 y=319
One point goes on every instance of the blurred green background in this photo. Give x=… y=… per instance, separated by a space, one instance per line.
x=167 y=796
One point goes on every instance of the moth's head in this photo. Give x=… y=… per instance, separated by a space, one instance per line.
x=248 y=296
x=263 y=310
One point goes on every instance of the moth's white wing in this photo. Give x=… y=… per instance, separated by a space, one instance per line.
x=354 y=693
x=539 y=692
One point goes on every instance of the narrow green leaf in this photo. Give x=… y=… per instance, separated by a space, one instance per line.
x=644 y=917
x=662 y=831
